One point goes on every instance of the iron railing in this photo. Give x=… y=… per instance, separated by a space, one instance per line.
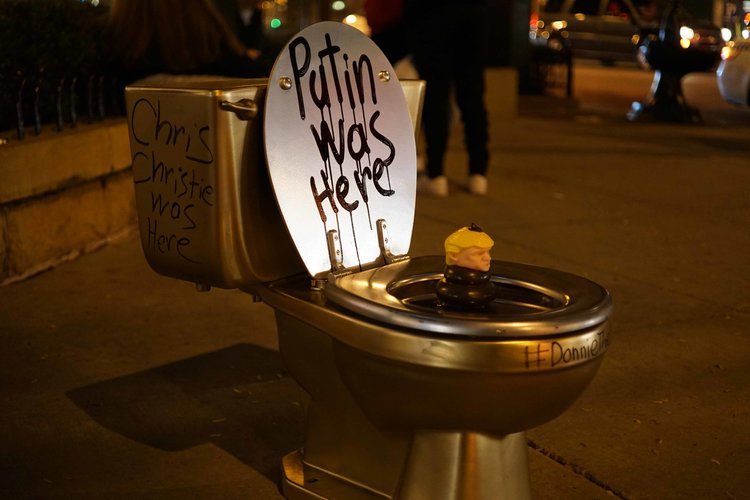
x=62 y=101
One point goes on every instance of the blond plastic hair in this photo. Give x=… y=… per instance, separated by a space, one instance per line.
x=464 y=238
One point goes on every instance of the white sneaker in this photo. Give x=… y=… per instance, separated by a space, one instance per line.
x=437 y=187
x=477 y=184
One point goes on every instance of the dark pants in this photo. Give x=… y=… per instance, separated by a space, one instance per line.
x=448 y=44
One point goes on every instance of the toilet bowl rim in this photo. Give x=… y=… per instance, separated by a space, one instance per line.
x=584 y=304
x=488 y=355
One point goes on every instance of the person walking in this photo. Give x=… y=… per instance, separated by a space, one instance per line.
x=448 y=44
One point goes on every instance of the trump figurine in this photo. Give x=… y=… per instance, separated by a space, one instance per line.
x=467 y=281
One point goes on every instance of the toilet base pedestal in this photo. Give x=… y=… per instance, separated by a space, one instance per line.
x=303 y=482
x=439 y=466
x=465 y=465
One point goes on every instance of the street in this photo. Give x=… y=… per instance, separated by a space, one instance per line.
x=613 y=89
x=119 y=383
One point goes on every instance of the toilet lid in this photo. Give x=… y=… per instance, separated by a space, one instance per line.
x=340 y=147
x=531 y=301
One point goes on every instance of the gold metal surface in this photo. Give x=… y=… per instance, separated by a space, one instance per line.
x=531 y=301
x=414 y=93
x=509 y=355
x=204 y=208
x=245 y=109
x=285 y=83
x=463 y=466
x=496 y=402
x=439 y=466
x=384 y=429
x=301 y=482
x=397 y=413
x=225 y=230
x=339 y=439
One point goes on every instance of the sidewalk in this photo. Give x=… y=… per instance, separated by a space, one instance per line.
x=118 y=383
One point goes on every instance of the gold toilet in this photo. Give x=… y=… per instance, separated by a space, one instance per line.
x=407 y=400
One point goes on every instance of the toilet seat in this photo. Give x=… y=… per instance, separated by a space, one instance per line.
x=531 y=301
x=340 y=148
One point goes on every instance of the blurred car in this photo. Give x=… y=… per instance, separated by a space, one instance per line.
x=733 y=73
x=613 y=30
x=736 y=28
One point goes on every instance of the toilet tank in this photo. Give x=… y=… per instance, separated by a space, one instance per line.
x=206 y=209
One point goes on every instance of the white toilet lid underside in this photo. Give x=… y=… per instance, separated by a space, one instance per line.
x=296 y=163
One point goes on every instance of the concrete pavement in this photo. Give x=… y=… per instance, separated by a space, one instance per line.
x=118 y=383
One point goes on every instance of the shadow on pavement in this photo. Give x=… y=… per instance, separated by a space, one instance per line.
x=239 y=399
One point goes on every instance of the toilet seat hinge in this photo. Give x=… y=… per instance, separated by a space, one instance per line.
x=384 y=242
x=335 y=254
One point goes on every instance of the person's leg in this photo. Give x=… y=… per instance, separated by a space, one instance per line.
x=430 y=31
x=470 y=100
x=436 y=119
x=468 y=74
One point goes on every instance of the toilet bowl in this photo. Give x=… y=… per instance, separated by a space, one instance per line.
x=407 y=400
x=401 y=390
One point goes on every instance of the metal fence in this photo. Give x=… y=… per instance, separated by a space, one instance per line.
x=59 y=101
x=52 y=67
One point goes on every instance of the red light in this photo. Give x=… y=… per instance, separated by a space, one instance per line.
x=533 y=20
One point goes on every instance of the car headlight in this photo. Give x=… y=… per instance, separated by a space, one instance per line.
x=687 y=33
